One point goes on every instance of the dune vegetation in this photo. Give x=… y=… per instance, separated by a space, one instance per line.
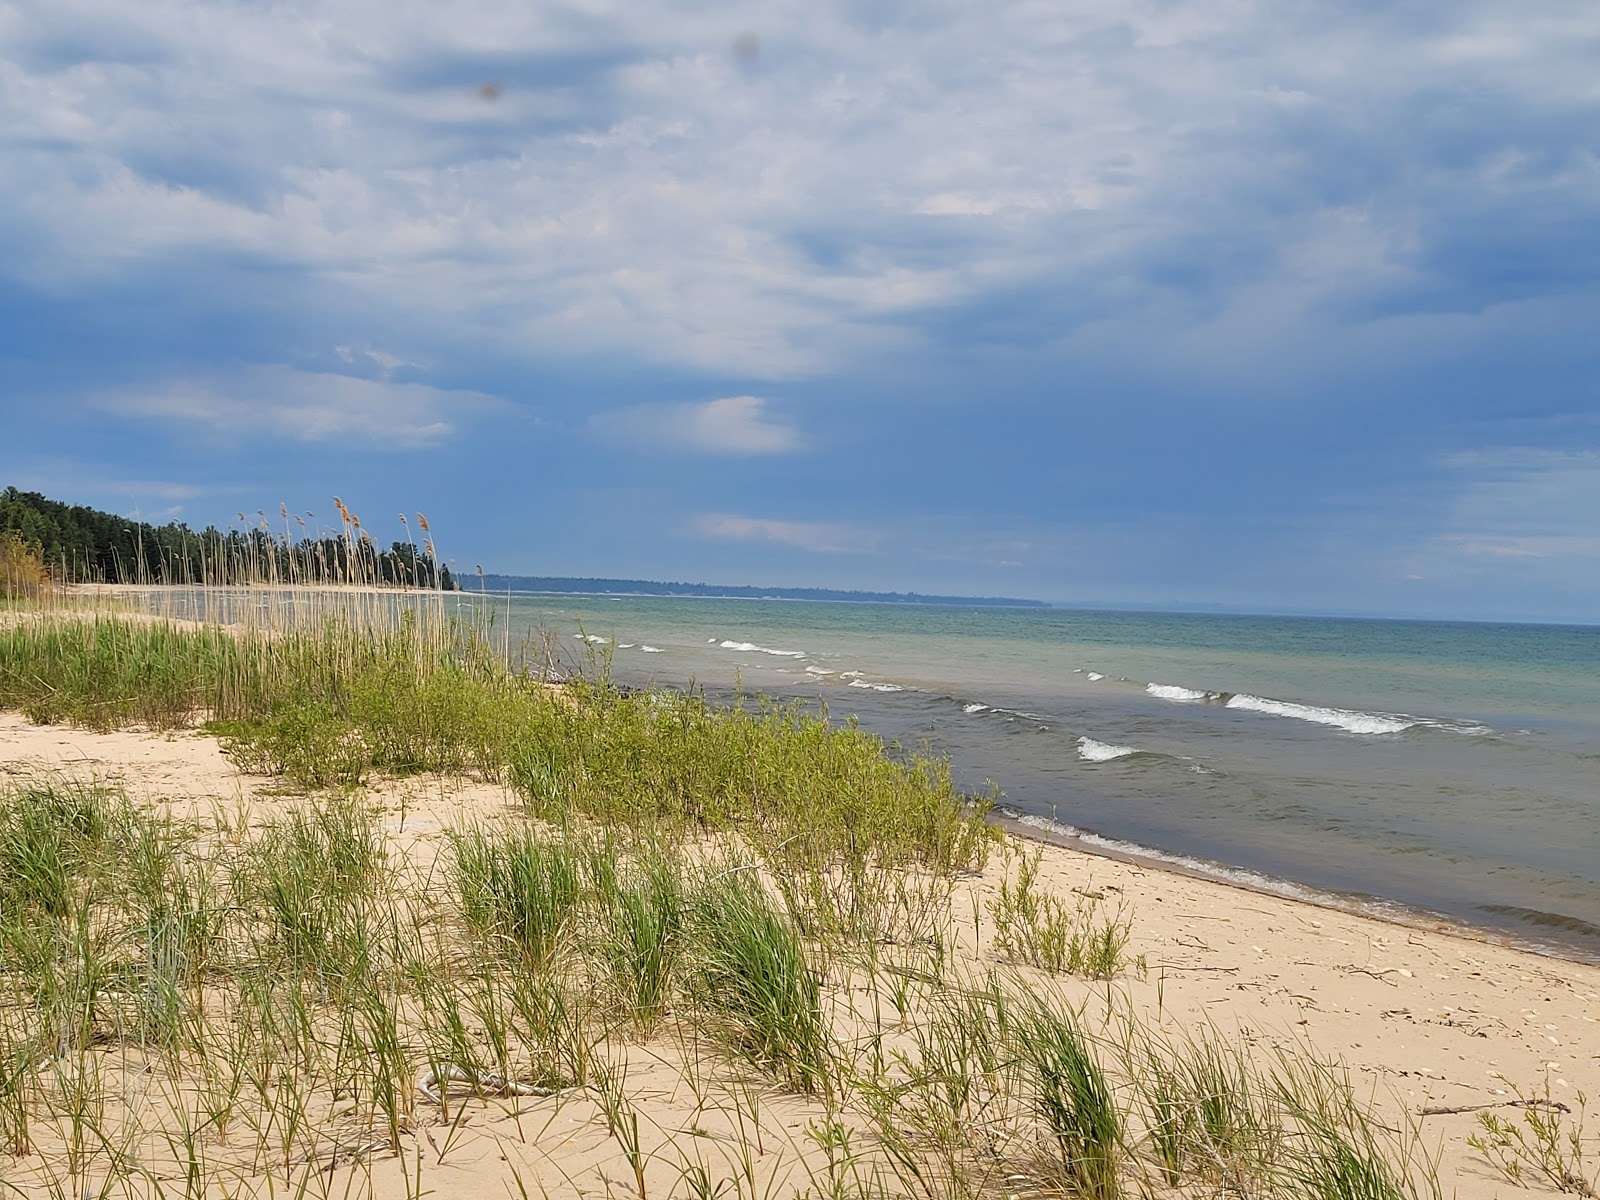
x=730 y=945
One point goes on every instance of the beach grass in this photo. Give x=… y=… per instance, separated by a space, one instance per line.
x=753 y=901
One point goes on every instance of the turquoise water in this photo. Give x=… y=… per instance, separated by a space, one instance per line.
x=1449 y=768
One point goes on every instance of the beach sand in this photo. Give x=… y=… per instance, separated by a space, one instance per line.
x=1423 y=1018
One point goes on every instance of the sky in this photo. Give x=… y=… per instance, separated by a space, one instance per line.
x=1273 y=305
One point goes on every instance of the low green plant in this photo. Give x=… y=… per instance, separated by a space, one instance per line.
x=1549 y=1143
x=1335 y=1149
x=518 y=890
x=1037 y=927
x=21 y=1050
x=313 y=876
x=51 y=832
x=1075 y=1103
x=1226 y=1135
x=644 y=911
x=330 y=701
x=755 y=985
x=303 y=740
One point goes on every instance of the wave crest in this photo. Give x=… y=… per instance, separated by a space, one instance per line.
x=752 y=648
x=1178 y=695
x=1350 y=720
x=1092 y=751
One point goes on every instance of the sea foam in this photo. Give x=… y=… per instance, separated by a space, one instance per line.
x=752 y=648
x=1350 y=720
x=877 y=687
x=1092 y=751
x=1179 y=695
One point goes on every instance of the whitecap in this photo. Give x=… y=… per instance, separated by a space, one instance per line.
x=1179 y=695
x=752 y=648
x=877 y=687
x=819 y=671
x=593 y=639
x=1350 y=720
x=651 y=650
x=974 y=708
x=624 y=645
x=1092 y=751
x=1095 y=676
x=851 y=674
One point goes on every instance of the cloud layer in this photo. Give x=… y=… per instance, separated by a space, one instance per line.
x=302 y=406
x=1215 y=301
x=634 y=184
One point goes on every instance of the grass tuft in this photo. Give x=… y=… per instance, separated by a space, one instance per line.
x=755 y=984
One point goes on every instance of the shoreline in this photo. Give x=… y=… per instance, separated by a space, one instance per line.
x=1370 y=907
x=1027 y=826
x=1426 y=1018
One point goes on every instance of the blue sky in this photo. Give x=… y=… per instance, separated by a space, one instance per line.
x=1280 y=306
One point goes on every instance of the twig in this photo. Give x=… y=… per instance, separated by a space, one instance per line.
x=1449 y=1110
x=1380 y=976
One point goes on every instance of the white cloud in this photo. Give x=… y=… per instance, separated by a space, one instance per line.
x=819 y=537
x=303 y=406
x=734 y=425
x=636 y=188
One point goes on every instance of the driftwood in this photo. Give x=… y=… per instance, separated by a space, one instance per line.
x=433 y=1082
x=1450 y=1110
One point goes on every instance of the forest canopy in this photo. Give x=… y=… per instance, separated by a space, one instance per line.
x=84 y=545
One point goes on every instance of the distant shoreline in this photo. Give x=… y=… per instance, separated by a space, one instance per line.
x=539 y=585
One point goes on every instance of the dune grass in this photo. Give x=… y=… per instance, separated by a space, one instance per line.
x=756 y=895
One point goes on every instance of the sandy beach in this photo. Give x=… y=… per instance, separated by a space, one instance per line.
x=1424 y=1020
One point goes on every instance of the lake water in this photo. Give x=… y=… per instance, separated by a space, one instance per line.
x=1447 y=768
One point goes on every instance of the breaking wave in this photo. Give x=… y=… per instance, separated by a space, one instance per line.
x=1178 y=695
x=752 y=648
x=1092 y=751
x=1350 y=720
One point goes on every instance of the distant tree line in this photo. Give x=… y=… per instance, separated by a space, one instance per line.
x=84 y=545
x=646 y=587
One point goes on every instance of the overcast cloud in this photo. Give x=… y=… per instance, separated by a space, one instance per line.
x=1281 y=306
